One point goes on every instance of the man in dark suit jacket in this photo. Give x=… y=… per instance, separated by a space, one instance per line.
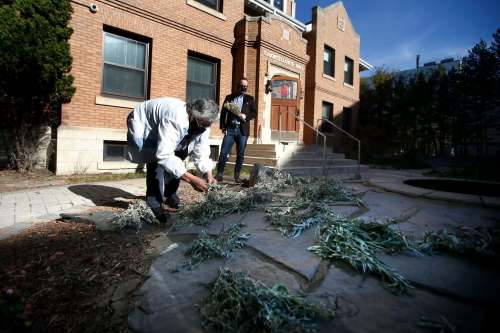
x=236 y=128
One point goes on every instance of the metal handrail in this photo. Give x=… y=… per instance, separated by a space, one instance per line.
x=311 y=127
x=349 y=135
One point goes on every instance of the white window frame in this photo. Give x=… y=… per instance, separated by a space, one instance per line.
x=333 y=54
x=219 y=5
x=146 y=66
x=215 y=69
x=345 y=64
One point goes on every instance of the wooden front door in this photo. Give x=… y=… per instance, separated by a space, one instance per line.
x=285 y=104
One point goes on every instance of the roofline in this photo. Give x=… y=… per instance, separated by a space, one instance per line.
x=267 y=7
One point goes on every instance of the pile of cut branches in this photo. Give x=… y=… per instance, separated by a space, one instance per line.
x=467 y=241
x=222 y=200
x=294 y=216
x=323 y=190
x=356 y=242
x=237 y=303
x=293 y=219
x=220 y=246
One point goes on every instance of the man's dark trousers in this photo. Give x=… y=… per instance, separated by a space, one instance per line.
x=233 y=135
x=153 y=183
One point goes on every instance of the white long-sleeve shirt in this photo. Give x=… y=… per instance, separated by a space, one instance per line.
x=156 y=127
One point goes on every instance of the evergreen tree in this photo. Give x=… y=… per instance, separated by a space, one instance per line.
x=34 y=64
x=429 y=113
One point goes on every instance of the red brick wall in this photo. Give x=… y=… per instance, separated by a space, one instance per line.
x=174 y=28
x=346 y=43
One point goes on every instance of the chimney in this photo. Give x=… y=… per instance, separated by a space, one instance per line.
x=418 y=61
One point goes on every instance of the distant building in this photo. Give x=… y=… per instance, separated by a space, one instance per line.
x=447 y=64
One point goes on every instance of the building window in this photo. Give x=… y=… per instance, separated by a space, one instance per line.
x=114 y=150
x=329 y=61
x=349 y=71
x=327 y=113
x=347 y=119
x=125 y=66
x=201 y=78
x=214 y=4
x=278 y=4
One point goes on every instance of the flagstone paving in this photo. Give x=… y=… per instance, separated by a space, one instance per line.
x=463 y=292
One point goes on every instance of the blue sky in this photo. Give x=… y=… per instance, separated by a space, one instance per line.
x=393 y=32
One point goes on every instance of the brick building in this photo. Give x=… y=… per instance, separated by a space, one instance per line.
x=128 y=51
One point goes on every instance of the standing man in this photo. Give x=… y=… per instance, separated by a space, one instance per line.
x=162 y=132
x=236 y=128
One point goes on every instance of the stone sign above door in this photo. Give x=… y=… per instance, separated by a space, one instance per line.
x=284 y=60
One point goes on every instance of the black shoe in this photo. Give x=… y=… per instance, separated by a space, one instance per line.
x=219 y=177
x=161 y=214
x=173 y=201
x=237 y=179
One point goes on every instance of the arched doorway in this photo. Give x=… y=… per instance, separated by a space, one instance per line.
x=285 y=103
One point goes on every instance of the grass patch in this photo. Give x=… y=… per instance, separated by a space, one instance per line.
x=103 y=177
x=246 y=171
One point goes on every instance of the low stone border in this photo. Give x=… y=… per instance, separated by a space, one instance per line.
x=396 y=185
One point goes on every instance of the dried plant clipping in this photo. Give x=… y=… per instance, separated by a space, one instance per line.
x=233 y=108
x=137 y=213
x=220 y=246
x=356 y=242
x=467 y=241
x=324 y=190
x=239 y=304
x=292 y=216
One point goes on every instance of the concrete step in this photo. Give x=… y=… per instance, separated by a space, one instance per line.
x=252 y=160
x=319 y=162
x=246 y=163
x=331 y=170
x=316 y=155
x=257 y=153
x=261 y=146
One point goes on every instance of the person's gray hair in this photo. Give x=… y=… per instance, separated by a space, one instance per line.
x=203 y=109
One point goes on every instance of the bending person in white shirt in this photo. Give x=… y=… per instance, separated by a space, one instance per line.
x=162 y=132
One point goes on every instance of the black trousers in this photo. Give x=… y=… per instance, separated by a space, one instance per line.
x=153 y=186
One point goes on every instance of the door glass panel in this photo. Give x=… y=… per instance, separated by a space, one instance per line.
x=284 y=89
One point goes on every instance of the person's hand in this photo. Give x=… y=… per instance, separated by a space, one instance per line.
x=243 y=116
x=211 y=180
x=199 y=184
x=223 y=131
x=196 y=182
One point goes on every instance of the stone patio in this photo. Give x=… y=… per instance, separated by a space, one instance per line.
x=464 y=292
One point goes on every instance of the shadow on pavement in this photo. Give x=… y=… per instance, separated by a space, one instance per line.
x=104 y=195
